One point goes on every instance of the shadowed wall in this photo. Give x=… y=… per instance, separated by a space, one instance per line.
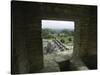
x=27 y=54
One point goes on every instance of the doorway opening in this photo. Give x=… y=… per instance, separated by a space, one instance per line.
x=57 y=39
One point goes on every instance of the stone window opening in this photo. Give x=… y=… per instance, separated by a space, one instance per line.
x=57 y=43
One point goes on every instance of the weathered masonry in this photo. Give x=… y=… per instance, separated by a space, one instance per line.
x=27 y=54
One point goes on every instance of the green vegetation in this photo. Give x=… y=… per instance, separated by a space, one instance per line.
x=47 y=33
x=68 y=39
x=64 y=35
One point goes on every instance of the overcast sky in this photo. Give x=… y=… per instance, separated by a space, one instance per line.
x=55 y=24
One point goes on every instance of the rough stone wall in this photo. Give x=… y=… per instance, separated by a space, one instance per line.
x=90 y=46
x=85 y=43
x=27 y=55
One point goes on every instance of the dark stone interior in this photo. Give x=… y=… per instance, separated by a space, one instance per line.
x=27 y=54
